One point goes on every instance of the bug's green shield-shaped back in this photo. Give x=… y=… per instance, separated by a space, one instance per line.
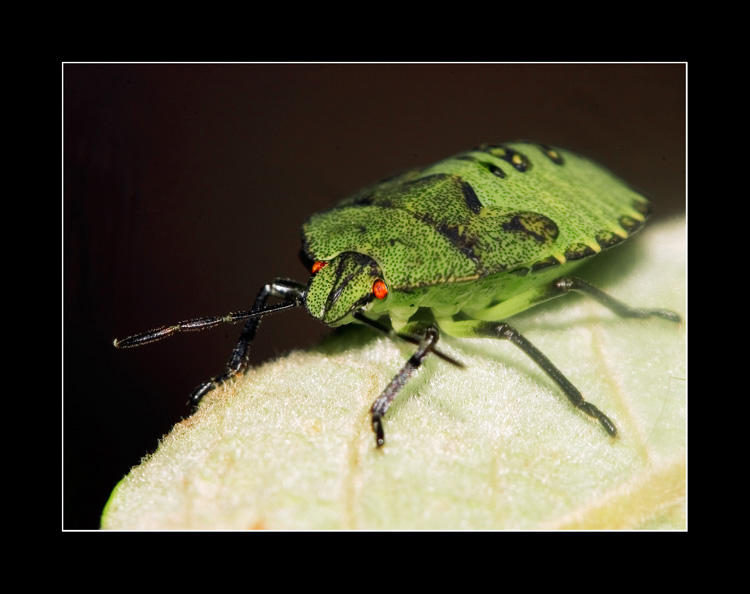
x=493 y=209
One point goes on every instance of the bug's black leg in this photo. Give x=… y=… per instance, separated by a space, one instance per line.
x=475 y=328
x=380 y=406
x=198 y=324
x=408 y=338
x=288 y=290
x=506 y=331
x=564 y=285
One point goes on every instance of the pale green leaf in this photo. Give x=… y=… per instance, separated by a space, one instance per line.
x=493 y=446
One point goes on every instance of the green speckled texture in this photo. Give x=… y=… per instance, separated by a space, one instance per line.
x=468 y=233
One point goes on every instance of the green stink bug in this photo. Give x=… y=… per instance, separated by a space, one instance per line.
x=458 y=246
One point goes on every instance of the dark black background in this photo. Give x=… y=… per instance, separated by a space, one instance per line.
x=185 y=186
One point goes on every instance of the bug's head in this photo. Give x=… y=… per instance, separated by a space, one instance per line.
x=347 y=283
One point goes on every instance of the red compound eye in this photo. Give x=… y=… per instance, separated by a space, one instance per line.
x=380 y=289
x=318 y=265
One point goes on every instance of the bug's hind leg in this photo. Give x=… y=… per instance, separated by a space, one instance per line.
x=476 y=329
x=239 y=362
x=380 y=406
x=566 y=284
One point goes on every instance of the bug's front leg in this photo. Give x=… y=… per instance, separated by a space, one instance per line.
x=380 y=406
x=288 y=290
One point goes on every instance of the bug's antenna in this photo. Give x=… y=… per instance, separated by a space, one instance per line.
x=201 y=324
x=411 y=339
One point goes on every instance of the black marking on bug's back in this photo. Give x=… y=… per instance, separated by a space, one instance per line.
x=463 y=242
x=606 y=239
x=523 y=165
x=542 y=264
x=534 y=225
x=495 y=170
x=470 y=197
x=492 y=168
x=501 y=151
x=578 y=252
x=553 y=155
